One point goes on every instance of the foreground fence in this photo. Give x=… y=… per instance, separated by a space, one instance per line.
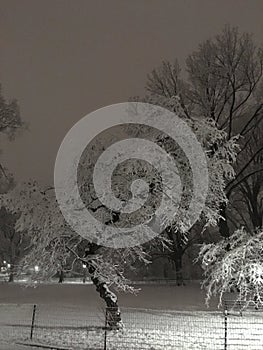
x=81 y=328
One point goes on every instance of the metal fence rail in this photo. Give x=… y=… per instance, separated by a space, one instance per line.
x=78 y=327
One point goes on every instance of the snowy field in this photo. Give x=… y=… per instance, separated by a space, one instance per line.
x=186 y=298
x=80 y=324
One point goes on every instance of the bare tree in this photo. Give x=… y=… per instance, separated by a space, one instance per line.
x=246 y=205
x=11 y=246
x=225 y=77
x=10 y=123
x=10 y=120
x=225 y=84
x=166 y=81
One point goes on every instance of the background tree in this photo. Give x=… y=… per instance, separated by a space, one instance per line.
x=224 y=84
x=246 y=205
x=10 y=123
x=11 y=246
x=240 y=268
x=10 y=119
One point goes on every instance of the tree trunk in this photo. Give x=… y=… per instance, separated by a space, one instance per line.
x=84 y=277
x=11 y=277
x=179 y=269
x=11 y=273
x=177 y=254
x=61 y=276
x=222 y=223
x=113 y=312
x=110 y=298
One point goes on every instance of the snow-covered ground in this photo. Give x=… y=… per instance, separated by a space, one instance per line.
x=7 y=346
x=77 y=328
x=189 y=297
x=79 y=325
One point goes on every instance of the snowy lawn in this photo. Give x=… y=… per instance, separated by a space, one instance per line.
x=6 y=346
x=77 y=328
x=189 y=297
x=72 y=317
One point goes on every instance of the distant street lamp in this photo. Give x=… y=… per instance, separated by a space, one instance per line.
x=84 y=273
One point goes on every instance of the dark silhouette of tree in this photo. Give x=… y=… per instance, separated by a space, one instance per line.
x=246 y=205
x=10 y=119
x=11 y=242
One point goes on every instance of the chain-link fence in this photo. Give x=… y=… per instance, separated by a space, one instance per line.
x=73 y=327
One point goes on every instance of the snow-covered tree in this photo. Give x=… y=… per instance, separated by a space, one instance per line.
x=224 y=83
x=235 y=264
x=53 y=242
x=221 y=155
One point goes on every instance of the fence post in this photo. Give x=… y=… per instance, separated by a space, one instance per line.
x=33 y=322
x=106 y=325
x=225 y=346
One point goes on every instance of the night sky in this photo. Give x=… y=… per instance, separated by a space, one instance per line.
x=64 y=59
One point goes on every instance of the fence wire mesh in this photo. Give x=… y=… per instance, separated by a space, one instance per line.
x=75 y=327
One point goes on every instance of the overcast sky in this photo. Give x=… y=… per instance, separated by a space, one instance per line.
x=64 y=59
